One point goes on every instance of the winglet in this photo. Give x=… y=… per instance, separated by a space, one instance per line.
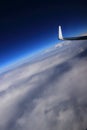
x=60 y=36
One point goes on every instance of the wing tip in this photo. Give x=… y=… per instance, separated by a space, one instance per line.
x=60 y=35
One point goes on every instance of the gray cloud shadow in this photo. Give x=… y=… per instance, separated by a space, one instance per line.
x=82 y=54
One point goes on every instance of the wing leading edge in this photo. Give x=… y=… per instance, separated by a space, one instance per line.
x=60 y=36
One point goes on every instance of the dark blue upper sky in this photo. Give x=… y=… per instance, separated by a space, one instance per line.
x=27 y=27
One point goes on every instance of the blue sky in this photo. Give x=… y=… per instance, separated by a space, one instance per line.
x=29 y=27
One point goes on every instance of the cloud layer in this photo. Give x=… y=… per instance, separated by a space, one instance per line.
x=48 y=93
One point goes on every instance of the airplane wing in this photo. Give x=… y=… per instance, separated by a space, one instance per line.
x=60 y=36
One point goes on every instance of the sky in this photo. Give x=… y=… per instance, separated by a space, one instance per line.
x=27 y=27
